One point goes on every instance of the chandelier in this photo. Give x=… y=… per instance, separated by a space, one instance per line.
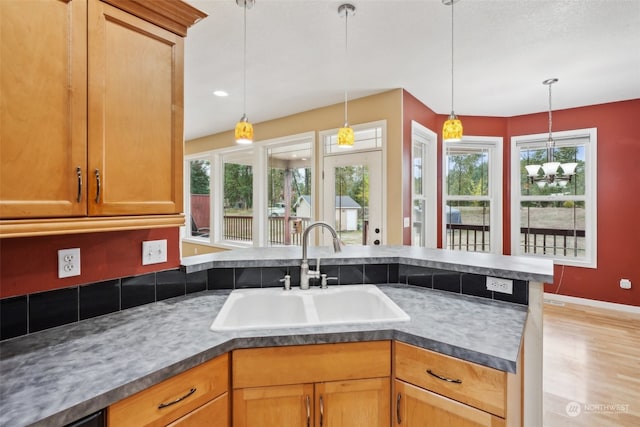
x=551 y=173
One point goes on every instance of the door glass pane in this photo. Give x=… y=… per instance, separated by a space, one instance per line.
x=199 y=202
x=352 y=203
x=238 y=196
x=289 y=201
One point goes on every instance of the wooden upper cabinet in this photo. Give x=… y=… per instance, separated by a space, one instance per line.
x=135 y=115
x=92 y=115
x=43 y=97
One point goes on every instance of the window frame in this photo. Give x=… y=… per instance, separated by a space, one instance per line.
x=590 y=138
x=494 y=146
x=427 y=140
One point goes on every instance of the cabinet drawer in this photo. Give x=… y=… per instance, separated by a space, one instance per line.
x=479 y=386
x=267 y=366
x=211 y=414
x=145 y=408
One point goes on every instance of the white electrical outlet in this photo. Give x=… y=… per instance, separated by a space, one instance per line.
x=500 y=285
x=68 y=262
x=625 y=283
x=154 y=252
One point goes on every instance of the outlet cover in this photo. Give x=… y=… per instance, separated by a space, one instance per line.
x=68 y=263
x=154 y=252
x=625 y=283
x=497 y=284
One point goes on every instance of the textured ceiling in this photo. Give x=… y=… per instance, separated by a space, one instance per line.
x=504 y=49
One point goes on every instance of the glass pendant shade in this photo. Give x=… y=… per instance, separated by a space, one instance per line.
x=532 y=170
x=345 y=136
x=244 y=131
x=550 y=168
x=452 y=129
x=569 y=168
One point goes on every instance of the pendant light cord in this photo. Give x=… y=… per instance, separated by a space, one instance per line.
x=346 y=54
x=244 y=64
x=452 y=2
x=550 y=142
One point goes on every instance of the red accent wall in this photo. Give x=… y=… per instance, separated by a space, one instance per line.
x=30 y=264
x=412 y=109
x=618 y=192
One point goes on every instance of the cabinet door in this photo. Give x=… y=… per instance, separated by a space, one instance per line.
x=354 y=403
x=135 y=128
x=277 y=406
x=211 y=414
x=419 y=407
x=43 y=108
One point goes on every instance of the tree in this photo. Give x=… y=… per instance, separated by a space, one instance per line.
x=200 y=176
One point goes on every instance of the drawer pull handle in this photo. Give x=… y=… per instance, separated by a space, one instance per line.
x=180 y=399
x=321 y=411
x=440 y=377
x=398 y=408
x=308 y=411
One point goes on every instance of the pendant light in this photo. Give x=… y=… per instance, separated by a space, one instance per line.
x=550 y=170
x=346 y=137
x=452 y=128
x=244 y=128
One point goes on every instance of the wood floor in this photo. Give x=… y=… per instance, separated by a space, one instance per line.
x=591 y=367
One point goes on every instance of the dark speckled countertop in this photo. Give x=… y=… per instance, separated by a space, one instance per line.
x=56 y=376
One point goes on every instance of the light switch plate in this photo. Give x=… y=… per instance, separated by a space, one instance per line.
x=68 y=262
x=497 y=284
x=154 y=252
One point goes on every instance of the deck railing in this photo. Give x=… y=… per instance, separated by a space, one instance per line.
x=535 y=240
x=240 y=228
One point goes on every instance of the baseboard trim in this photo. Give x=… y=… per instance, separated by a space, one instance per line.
x=591 y=303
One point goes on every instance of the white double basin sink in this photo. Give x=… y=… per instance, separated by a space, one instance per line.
x=273 y=308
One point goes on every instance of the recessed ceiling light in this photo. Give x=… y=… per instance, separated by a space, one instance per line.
x=220 y=93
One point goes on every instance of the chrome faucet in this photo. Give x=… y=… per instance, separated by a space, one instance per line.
x=305 y=273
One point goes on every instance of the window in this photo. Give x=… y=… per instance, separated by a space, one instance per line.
x=259 y=195
x=423 y=182
x=289 y=189
x=236 y=204
x=472 y=195
x=550 y=219
x=198 y=201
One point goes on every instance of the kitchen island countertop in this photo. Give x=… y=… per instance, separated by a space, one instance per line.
x=56 y=376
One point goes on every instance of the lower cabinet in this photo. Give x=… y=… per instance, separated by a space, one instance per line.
x=318 y=385
x=432 y=389
x=196 y=397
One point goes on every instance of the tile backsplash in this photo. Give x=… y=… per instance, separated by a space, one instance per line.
x=35 y=312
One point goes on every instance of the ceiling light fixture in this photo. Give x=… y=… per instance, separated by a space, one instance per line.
x=346 y=137
x=220 y=93
x=244 y=128
x=549 y=172
x=452 y=128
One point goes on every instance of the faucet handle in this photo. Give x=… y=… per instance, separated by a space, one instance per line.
x=318 y=264
x=324 y=279
x=287 y=282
